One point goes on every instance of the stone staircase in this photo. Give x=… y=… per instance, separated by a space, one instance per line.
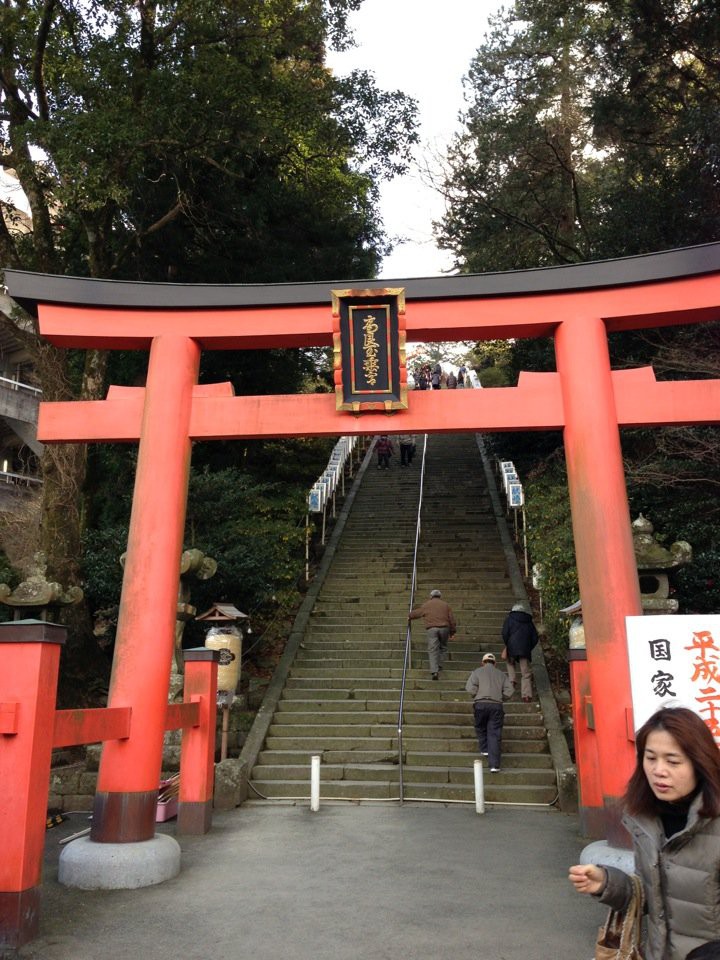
x=341 y=696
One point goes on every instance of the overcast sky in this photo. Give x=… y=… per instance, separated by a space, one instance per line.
x=423 y=49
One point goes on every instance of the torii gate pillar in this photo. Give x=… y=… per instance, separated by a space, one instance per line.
x=600 y=514
x=125 y=802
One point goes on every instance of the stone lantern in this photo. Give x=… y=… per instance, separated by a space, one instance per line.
x=227 y=625
x=654 y=565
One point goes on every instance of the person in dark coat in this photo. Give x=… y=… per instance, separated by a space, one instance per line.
x=520 y=638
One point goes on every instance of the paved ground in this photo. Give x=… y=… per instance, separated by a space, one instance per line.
x=367 y=882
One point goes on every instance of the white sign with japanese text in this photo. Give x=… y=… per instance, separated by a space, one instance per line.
x=675 y=660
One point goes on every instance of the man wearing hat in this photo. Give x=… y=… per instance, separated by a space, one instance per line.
x=440 y=627
x=488 y=686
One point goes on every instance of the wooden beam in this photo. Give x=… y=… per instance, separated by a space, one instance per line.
x=652 y=304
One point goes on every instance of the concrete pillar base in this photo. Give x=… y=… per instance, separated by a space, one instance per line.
x=119 y=866
x=601 y=853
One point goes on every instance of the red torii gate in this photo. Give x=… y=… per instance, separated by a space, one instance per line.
x=577 y=305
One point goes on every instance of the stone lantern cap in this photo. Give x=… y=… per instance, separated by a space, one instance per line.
x=223 y=613
x=36 y=591
x=651 y=555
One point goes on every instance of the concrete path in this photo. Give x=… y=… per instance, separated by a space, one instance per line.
x=351 y=882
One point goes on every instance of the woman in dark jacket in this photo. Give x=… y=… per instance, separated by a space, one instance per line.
x=520 y=638
x=672 y=805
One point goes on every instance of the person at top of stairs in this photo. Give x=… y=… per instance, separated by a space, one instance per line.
x=384 y=449
x=440 y=627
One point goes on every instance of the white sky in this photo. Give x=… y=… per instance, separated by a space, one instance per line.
x=423 y=48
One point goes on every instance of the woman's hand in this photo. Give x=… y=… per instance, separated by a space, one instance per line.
x=587 y=878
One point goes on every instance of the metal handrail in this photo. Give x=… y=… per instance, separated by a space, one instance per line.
x=19 y=385
x=408 y=635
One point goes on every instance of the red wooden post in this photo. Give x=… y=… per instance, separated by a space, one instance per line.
x=607 y=571
x=29 y=660
x=129 y=775
x=588 y=768
x=197 y=754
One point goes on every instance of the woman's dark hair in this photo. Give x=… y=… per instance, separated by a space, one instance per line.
x=696 y=741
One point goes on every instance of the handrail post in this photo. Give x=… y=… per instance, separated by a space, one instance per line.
x=29 y=662
x=197 y=751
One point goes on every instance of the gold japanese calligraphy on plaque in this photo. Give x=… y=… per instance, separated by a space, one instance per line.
x=369 y=349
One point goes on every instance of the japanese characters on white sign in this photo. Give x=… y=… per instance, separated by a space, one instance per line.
x=675 y=660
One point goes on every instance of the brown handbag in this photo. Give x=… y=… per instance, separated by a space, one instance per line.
x=619 y=937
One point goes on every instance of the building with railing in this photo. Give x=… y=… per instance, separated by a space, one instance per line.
x=20 y=449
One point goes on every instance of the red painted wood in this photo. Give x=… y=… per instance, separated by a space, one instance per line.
x=144 y=642
x=9 y=717
x=92 y=725
x=535 y=404
x=686 y=300
x=182 y=716
x=607 y=570
x=28 y=677
x=588 y=768
x=197 y=753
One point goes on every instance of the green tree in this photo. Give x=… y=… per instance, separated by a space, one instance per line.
x=519 y=174
x=183 y=141
x=655 y=110
x=591 y=132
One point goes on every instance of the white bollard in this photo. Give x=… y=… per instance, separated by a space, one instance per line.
x=315 y=783
x=479 y=788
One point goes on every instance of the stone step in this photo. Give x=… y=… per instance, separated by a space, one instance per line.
x=364 y=726
x=540 y=761
x=497 y=790
x=449 y=678
x=291 y=710
x=340 y=712
x=461 y=648
x=299 y=693
x=523 y=776
x=452 y=683
x=317 y=744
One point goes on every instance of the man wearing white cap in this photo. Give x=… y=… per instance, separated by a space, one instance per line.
x=488 y=686
x=440 y=627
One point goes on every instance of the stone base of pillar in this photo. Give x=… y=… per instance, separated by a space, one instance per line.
x=87 y=865
x=602 y=853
